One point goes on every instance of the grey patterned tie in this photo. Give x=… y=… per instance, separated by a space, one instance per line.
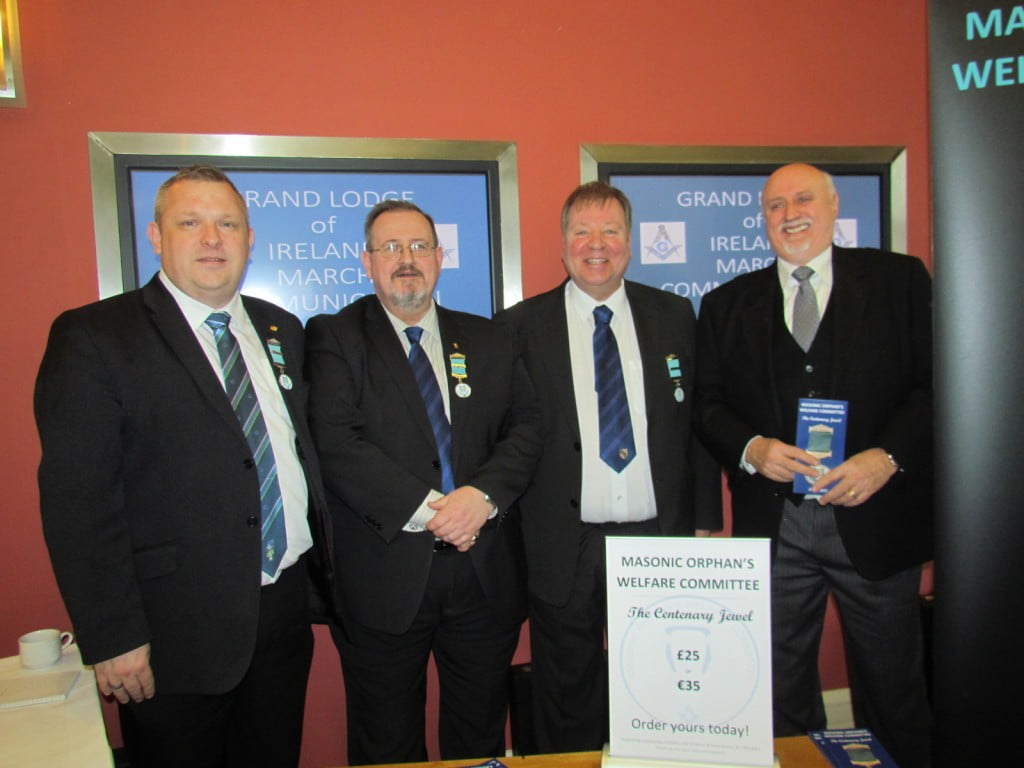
x=805 y=309
x=243 y=398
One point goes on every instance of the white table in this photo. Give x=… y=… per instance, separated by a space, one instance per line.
x=69 y=734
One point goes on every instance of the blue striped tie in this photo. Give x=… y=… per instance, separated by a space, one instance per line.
x=243 y=398
x=617 y=446
x=426 y=380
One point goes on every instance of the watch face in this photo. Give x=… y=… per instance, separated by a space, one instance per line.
x=683 y=666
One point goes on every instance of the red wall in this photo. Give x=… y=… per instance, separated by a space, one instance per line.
x=548 y=76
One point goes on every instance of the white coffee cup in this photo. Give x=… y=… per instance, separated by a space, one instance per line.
x=43 y=647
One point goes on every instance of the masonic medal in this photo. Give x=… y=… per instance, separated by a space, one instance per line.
x=277 y=358
x=676 y=374
x=458 y=364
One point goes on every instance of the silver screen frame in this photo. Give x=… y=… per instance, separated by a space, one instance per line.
x=592 y=155
x=105 y=147
x=12 y=84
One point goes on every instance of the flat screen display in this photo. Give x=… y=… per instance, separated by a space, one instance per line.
x=694 y=229
x=308 y=228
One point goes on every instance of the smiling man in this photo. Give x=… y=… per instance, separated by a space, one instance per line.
x=831 y=323
x=428 y=432
x=613 y=364
x=180 y=493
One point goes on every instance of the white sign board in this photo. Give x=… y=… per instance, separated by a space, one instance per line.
x=689 y=650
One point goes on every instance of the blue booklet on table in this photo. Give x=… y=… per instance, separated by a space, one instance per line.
x=849 y=747
x=821 y=431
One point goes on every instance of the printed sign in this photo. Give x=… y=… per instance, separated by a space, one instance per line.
x=689 y=649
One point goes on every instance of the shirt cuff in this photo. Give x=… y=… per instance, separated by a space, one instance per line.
x=744 y=464
x=423 y=514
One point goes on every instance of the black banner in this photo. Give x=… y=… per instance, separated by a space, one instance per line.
x=977 y=125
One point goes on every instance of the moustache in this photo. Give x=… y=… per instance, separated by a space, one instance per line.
x=796 y=222
x=407 y=271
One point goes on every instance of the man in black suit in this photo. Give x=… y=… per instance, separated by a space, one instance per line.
x=866 y=529
x=151 y=494
x=656 y=480
x=428 y=432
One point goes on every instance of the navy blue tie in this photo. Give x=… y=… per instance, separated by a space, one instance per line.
x=617 y=446
x=426 y=380
x=246 y=405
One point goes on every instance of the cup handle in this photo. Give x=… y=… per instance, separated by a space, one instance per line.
x=66 y=639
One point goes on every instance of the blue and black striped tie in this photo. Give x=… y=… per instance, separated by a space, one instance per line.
x=426 y=380
x=617 y=446
x=246 y=405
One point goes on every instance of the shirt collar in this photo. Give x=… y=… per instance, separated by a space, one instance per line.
x=195 y=311
x=821 y=264
x=428 y=322
x=583 y=303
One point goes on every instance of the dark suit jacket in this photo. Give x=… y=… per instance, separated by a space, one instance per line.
x=687 y=484
x=882 y=365
x=380 y=458
x=150 y=500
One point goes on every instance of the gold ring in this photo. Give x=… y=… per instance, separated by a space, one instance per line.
x=851 y=492
x=474 y=538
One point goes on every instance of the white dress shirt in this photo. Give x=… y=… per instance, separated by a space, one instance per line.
x=290 y=478
x=608 y=496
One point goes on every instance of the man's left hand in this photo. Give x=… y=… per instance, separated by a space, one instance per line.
x=857 y=479
x=460 y=516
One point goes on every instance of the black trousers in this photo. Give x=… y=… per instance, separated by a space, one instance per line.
x=259 y=722
x=881 y=624
x=386 y=674
x=567 y=648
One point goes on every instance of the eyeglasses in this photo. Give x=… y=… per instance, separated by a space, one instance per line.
x=392 y=249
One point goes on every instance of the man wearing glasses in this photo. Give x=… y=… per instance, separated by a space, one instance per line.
x=429 y=433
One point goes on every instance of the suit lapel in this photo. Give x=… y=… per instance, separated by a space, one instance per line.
x=848 y=303
x=263 y=322
x=759 y=315
x=454 y=340
x=649 y=340
x=171 y=325
x=552 y=345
